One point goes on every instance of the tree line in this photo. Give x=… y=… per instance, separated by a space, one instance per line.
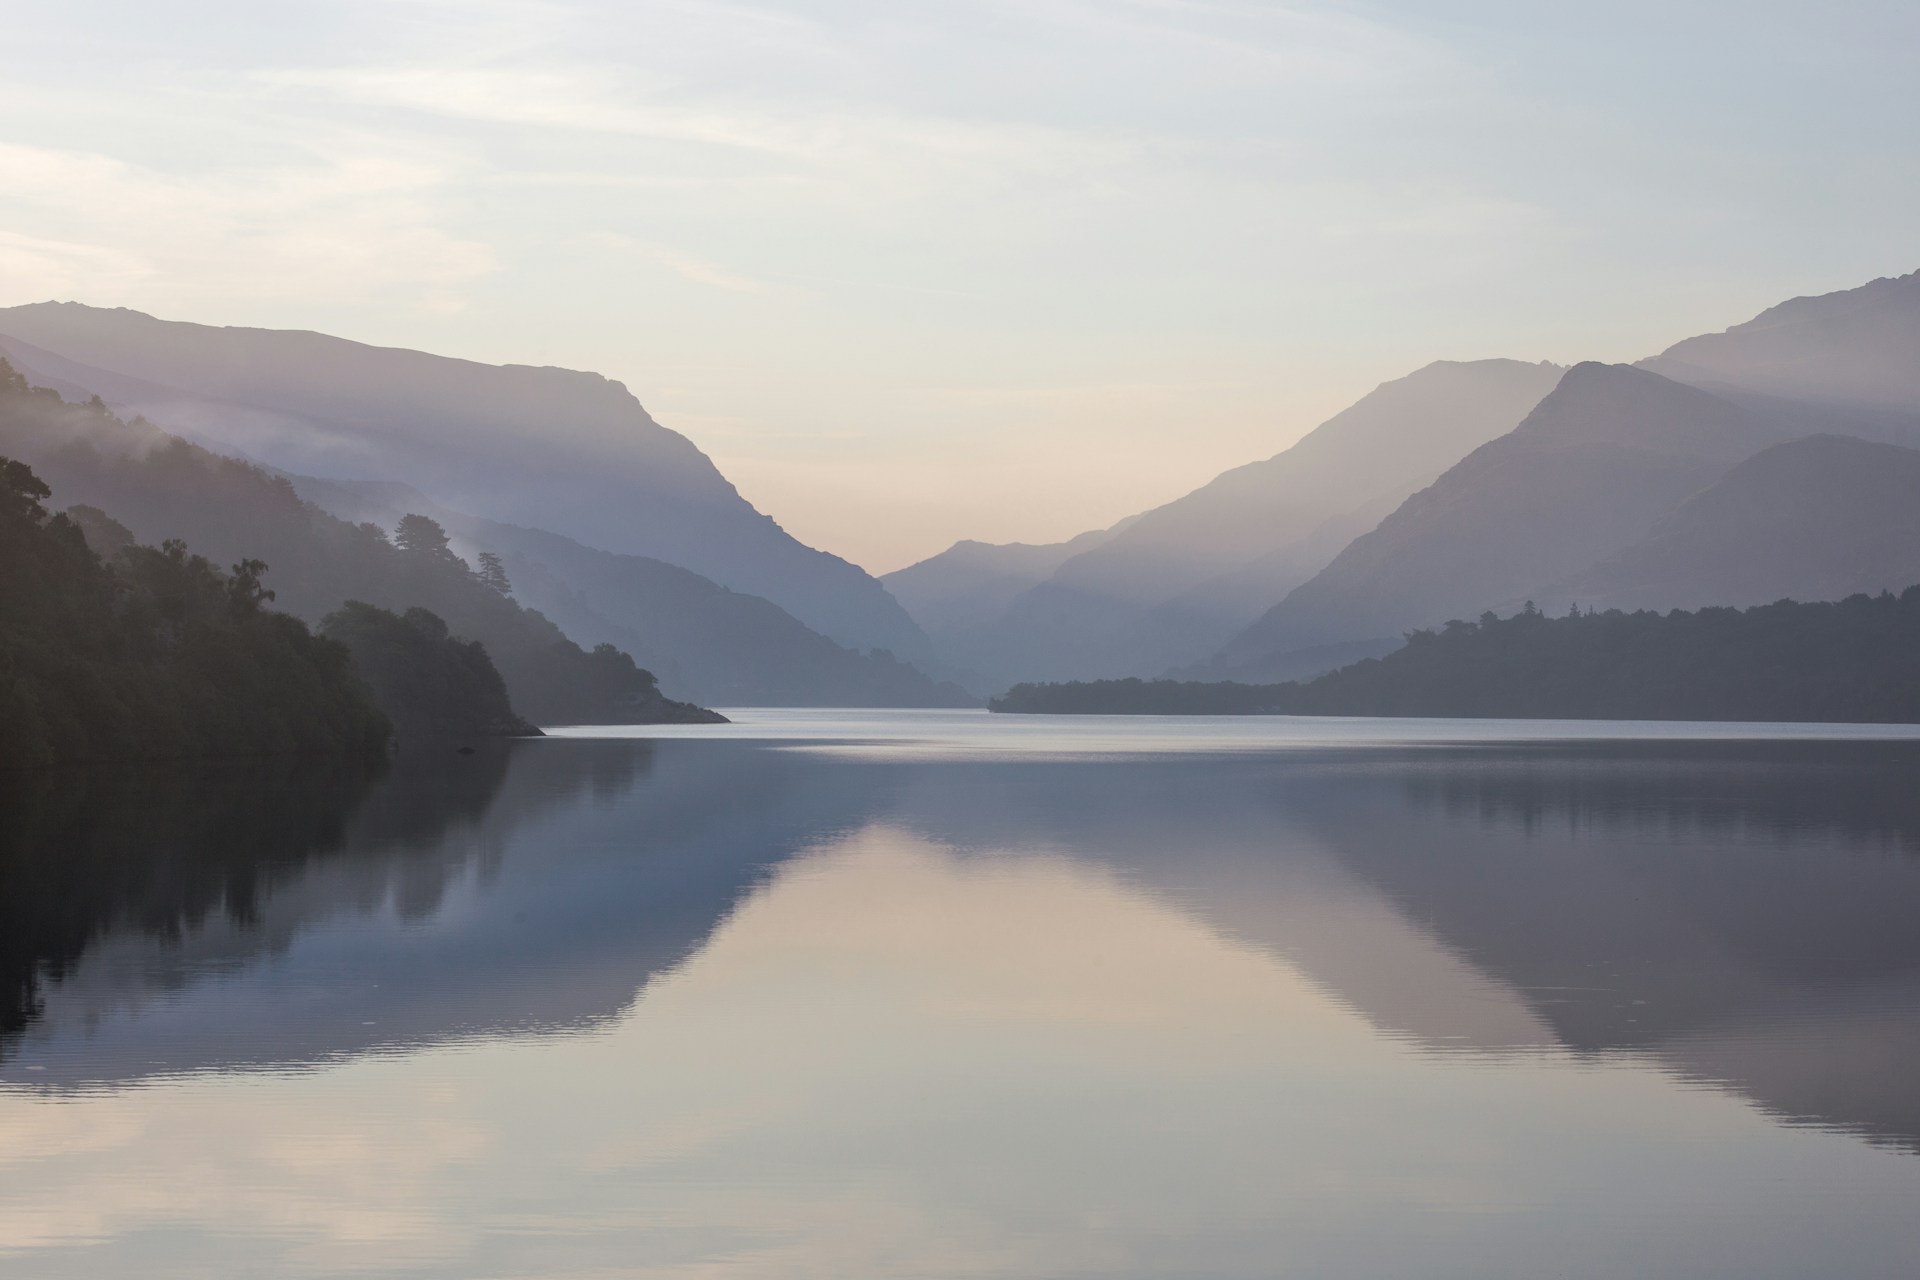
x=163 y=487
x=1850 y=661
x=158 y=653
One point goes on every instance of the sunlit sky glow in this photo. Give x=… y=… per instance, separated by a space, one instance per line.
x=914 y=272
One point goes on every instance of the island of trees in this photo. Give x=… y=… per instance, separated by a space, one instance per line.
x=1852 y=661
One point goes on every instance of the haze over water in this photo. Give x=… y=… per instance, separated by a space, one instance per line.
x=938 y=994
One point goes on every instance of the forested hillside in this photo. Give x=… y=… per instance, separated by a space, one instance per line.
x=705 y=641
x=435 y=685
x=164 y=488
x=158 y=654
x=1855 y=661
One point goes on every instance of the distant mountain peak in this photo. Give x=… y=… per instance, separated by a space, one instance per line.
x=1857 y=348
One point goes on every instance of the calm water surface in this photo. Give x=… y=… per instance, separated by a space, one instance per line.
x=888 y=995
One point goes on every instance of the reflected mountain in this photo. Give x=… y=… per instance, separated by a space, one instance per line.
x=1741 y=913
x=1745 y=913
x=1737 y=913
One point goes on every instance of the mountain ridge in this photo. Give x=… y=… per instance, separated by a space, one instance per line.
x=1171 y=585
x=1607 y=453
x=534 y=445
x=712 y=643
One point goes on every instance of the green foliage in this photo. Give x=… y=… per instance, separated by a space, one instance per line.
x=159 y=655
x=1854 y=661
x=432 y=685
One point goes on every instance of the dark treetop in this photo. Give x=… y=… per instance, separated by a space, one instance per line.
x=157 y=653
x=431 y=684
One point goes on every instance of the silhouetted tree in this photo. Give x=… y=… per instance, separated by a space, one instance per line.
x=244 y=589
x=422 y=536
x=494 y=573
x=21 y=493
x=155 y=654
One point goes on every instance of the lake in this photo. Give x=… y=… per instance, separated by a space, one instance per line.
x=937 y=994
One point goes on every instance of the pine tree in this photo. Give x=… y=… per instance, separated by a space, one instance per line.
x=421 y=535
x=494 y=573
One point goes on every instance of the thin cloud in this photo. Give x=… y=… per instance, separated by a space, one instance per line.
x=354 y=223
x=684 y=265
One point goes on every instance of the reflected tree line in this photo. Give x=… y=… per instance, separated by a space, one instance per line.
x=1744 y=913
x=156 y=848
x=162 y=848
x=1747 y=913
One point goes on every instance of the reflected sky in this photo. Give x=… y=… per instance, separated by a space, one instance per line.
x=744 y=1007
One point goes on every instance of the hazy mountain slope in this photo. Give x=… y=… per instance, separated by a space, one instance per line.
x=1814 y=519
x=544 y=447
x=1175 y=583
x=706 y=642
x=1857 y=347
x=974 y=581
x=75 y=382
x=1392 y=441
x=162 y=487
x=1589 y=471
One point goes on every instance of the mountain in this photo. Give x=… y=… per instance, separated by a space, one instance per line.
x=1591 y=470
x=1819 y=518
x=706 y=642
x=162 y=488
x=1355 y=467
x=1496 y=530
x=971 y=582
x=1857 y=348
x=544 y=447
x=1173 y=584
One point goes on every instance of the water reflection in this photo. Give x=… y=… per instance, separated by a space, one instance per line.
x=1732 y=906
x=1746 y=913
x=730 y=1007
x=154 y=849
x=193 y=919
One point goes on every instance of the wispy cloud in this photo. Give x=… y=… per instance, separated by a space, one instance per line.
x=865 y=199
x=353 y=222
x=685 y=265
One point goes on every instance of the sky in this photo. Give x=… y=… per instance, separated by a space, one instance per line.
x=918 y=271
